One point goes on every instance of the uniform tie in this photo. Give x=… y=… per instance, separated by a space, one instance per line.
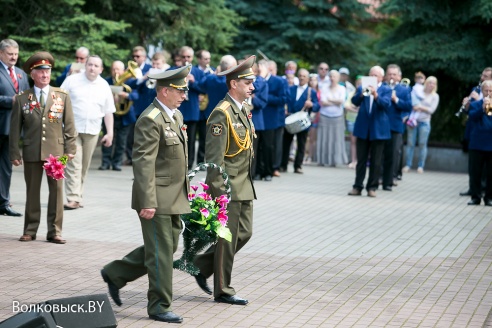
x=14 y=80
x=41 y=99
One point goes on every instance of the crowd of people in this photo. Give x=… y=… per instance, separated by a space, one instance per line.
x=242 y=115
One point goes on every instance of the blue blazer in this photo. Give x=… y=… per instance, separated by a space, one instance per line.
x=277 y=98
x=128 y=118
x=216 y=88
x=481 y=134
x=469 y=123
x=259 y=102
x=295 y=106
x=373 y=125
x=63 y=76
x=145 y=95
x=403 y=108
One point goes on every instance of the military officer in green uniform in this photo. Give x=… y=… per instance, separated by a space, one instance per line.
x=44 y=114
x=160 y=195
x=228 y=143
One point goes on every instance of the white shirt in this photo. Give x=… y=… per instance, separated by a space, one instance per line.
x=238 y=104
x=371 y=97
x=300 y=91
x=338 y=94
x=91 y=101
x=46 y=92
x=324 y=83
x=169 y=112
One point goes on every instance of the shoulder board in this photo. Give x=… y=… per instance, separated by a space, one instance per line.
x=225 y=104
x=153 y=113
x=62 y=90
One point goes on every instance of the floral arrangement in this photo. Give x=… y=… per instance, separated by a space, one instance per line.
x=55 y=166
x=206 y=223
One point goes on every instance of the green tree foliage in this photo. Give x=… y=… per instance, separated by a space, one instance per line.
x=311 y=30
x=58 y=26
x=448 y=39
x=198 y=24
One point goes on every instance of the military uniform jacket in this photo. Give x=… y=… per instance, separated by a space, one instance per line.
x=49 y=131
x=160 y=162
x=222 y=149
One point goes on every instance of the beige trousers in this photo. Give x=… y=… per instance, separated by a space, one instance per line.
x=77 y=168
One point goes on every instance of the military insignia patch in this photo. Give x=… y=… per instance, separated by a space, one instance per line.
x=217 y=129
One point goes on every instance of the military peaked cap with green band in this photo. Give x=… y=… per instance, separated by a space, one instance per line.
x=241 y=71
x=175 y=78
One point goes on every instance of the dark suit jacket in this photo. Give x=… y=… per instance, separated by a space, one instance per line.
x=216 y=89
x=145 y=95
x=277 y=98
x=159 y=162
x=259 y=102
x=7 y=91
x=373 y=125
x=481 y=135
x=295 y=106
x=403 y=108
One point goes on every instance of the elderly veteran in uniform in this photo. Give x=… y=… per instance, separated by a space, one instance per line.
x=44 y=114
x=160 y=195
x=228 y=143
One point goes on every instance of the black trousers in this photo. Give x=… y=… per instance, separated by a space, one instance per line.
x=278 y=147
x=266 y=147
x=392 y=155
x=191 y=127
x=256 y=151
x=374 y=148
x=301 y=148
x=478 y=159
x=202 y=130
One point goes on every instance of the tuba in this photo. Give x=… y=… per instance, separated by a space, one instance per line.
x=133 y=71
x=405 y=82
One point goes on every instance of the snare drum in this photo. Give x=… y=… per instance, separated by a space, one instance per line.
x=297 y=122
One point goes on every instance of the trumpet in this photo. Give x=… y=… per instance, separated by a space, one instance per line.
x=392 y=84
x=366 y=92
x=463 y=106
x=150 y=83
x=488 y=107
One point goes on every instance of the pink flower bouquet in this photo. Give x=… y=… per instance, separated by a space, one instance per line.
x=55 y=166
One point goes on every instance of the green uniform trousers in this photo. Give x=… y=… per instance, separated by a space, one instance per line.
x=33 y=175
x=154 y=258
x=219 y=258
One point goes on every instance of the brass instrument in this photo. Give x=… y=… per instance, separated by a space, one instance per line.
x=150 y=83
x=463 y=106
x=366 y=92
x=392 y=84
x=405 y=82
x=133 y=71
x=488 y=108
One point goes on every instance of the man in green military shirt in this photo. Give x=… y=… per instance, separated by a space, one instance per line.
x=44 y=115
x=228 y=143
x=160 y=195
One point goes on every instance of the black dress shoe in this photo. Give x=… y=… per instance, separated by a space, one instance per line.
x=487 y=202
x=201 y=280
x=474 y=202
x=268 y=178
x=387 y=188
x=465 y=193
x=103 y=168
x=236 y=300
x=116 y=168
x=167 y=317
x=114 y=291
x=257 y=177
x=9 y=212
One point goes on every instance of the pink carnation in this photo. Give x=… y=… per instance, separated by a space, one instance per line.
x=204 y=186
x=204 y=212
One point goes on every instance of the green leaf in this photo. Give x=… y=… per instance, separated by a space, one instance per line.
x=224 y=232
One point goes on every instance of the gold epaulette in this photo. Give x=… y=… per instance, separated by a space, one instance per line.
x=225 y=104
x=153 y=113
x=62 y=90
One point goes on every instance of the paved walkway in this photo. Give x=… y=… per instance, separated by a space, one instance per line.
x=414 y=257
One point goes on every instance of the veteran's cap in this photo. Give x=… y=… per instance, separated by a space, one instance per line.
x=39 y=60
x=241 y=71
x=175 y=78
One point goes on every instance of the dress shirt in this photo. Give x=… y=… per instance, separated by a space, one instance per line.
x=300 y=91
x=91 y=101
x=8 y=70
x=371 y=97
x=46 y=92
x=238 y=104
x=170 y=112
